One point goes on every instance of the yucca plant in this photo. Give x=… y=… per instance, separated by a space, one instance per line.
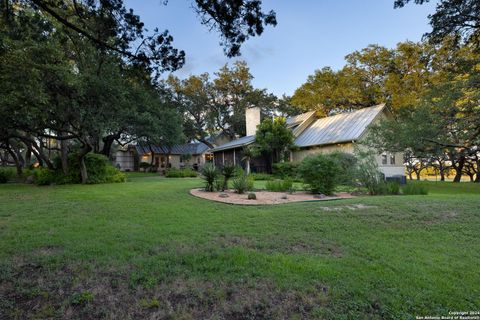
x=209 y=174
x=228 y=171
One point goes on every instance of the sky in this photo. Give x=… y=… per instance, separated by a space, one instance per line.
x=311 y=34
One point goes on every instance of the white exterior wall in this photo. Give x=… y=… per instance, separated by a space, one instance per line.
x=387 y=169
x=124 y=160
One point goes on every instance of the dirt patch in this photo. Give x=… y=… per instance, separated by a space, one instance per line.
x=264 y=197
x=61 y=293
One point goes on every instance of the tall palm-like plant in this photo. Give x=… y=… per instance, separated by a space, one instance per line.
x=209 y=174
x=248 y=153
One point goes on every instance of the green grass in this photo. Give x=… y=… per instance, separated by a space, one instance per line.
x=146 y=248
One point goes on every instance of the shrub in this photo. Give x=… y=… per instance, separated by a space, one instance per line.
x=6 y=174
x=368 y=174
x=99 y=170
x=228 y=171
x=144 y=165
x=261 y=176
x=242 y=183
x=113 y=175
x=180 y=173
x=319 y=173
x=44 y=176
x=209 y=174
x=285 y=170
x=279 y=185
x=347 y=164
x=414 y=189
x=392 y=188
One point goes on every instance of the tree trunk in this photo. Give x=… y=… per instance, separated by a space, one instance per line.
x=81 y=160
x=16 y=160
x=108 y=143
x=64 y=156
x=477 y=178
x=247 y=167
x=459 y=169
x=441 y=168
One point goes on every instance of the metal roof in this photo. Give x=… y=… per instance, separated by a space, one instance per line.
x=240 y=142
x=299 y=118
x=187 y=148
x=338 y=128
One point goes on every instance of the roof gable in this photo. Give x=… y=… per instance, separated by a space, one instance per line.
x=338 y=128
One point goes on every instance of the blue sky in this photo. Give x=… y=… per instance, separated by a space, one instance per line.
x=310 y=34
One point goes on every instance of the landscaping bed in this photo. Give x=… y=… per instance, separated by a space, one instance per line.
x=265 y=197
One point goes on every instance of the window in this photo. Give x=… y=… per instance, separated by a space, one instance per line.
x=392 y=158
x=384 y=158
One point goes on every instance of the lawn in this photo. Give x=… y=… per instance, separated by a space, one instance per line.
x=147 y=249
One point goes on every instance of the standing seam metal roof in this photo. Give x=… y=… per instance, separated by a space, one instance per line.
x=339 y=128
x=240 y=142
x=187 y=148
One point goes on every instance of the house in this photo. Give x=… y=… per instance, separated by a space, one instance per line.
x=315 y=135
x=188 y=155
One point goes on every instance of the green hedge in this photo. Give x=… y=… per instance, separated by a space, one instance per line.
x=99 y=170
x=180 y=173
x=7 y=174
x=319 y=173
x=279 y=185
x=286 y=170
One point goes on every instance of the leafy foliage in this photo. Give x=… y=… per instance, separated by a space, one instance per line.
x=227 y=171
x=347 y=163
x=279 y=185
x=209 y=175
x=319 y=172
x=180 y=173
x=6 y=174
x=273 y=139
x=367 y=172
x=415 y=189
x=285 y=170
x=458 y=18
x=242 y=183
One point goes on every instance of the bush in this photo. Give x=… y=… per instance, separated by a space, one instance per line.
x=228 y=171
x=180 y=173
x=44 y=176
x=368 y=174
x=144 y=165
x=392 y=188
x=286 y=170
x=414 y=189
x=261 y=176
x=279 y=185
x=319 y=173
x=6 y=174
x=242 y=183
x=99 y=170
x=209 y=174
x=347 y=164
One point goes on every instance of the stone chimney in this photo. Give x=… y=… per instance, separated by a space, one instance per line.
x=252 y=118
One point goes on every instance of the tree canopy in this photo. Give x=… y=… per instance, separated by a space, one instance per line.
x=453 y=18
